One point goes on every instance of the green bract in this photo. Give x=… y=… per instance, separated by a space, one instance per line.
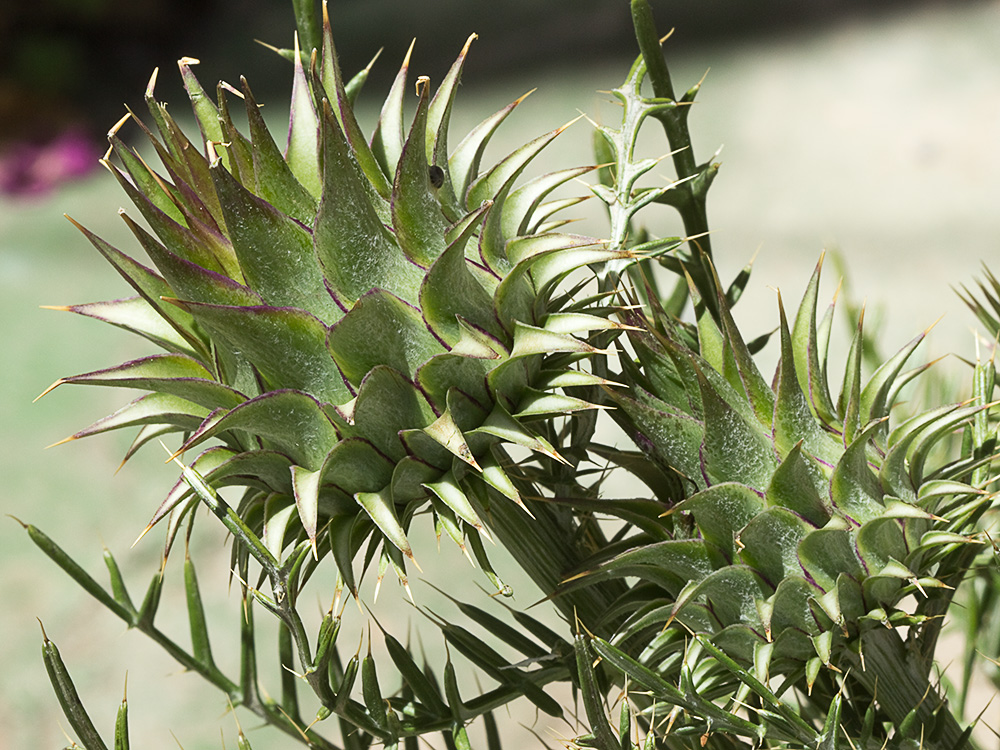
x=796 y=532
x=357 y=327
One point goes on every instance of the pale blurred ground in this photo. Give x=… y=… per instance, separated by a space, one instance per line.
x=879 y=138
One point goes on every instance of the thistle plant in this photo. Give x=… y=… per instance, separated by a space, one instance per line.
x=363 y=336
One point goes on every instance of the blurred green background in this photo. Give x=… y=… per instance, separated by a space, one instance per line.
x=877 y=133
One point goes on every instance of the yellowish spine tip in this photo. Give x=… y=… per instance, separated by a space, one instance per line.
x=75 y=223
x=213 y=155
x=574 y=120
x=64 y=440
x=269 y=46
x=666 y=36
x=371 y=63
x=524 y=96
x=232 y=89
x=139 y=538
x=61 y=308
x=50 y=389
x=409 y=554
x=468 y=43
x=117 y=126
x=422 y=84
x=409 y=51
x=186 y=61
x=152 y=83
x=931 y=326
x=524 y=507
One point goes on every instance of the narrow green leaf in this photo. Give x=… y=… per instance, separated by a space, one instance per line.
x=151 y=287
x=291 y=421
x=423 y=689
x=463 y=165
x=153 y=408
x=371 y=691
x=69 y=699
x=333 y=86
x=151 y=188
x=593 y=700
x=302 y=151
x=490 y=184
x=520 y=208
x=118 y=589
x=502 y=425
x=151 y=602
x=205 y=110
x=121 y=725
x=449 y=491
x=380 y=508
x=174 y=374
x=387 y=140
x=201 y=646
x=735 y=450
x=806 y=347
x=794 y=422
x=136 y=315
x=76 y=572
x=275 y=185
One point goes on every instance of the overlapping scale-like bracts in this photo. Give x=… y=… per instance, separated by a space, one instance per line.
x=794 y=522
x=355 y=325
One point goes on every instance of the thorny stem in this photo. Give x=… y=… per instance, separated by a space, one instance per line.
x=694 y=179
x=899 y=680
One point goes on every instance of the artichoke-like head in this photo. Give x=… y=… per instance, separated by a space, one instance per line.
x=795 y=523
x=359 y=326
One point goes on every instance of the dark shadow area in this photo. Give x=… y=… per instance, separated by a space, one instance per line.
x=70 y=65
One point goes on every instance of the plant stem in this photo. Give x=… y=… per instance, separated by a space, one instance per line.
x=689 y=197
x=305 y=22
x=897 y=677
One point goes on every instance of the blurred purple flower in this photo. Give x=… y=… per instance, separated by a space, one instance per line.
x=30 y=169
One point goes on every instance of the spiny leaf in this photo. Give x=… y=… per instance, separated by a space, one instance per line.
x=302 y=152
x=291 y=421
x=175 y=374
x=275 y=252
x=387 y=140
x=379 y=507
x=381 y=329
x=353 y=246
x=288 y=346
x=416 y=215
x=275 y=185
